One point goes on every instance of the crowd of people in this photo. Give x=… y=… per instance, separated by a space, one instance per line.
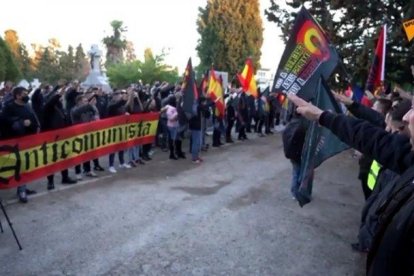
x=383 y=136
x=29 y=111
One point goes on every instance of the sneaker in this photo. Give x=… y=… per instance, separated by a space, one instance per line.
x=112 y=170
x=125 y=166
x=78 y=177
x=197 y=161
x=200 y=159
x=91 y=174
x=132 y=164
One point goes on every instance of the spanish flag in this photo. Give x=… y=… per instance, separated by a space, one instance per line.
x=247 y=80
x=215 y=92
x=409 y=29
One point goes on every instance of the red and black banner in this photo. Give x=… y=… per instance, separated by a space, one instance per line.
x=35 y=156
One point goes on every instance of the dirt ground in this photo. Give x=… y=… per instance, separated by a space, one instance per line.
x=231 y=215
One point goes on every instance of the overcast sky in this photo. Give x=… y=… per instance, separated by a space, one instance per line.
x=156 y=24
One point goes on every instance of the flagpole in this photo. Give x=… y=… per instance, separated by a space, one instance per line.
x=384 y=42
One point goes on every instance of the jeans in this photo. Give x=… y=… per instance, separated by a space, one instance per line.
x=172 y=131
x=195 y=144
x=294 y=188
x=120 y=157
x=133 y=153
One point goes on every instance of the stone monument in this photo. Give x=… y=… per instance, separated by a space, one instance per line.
x=95 y=77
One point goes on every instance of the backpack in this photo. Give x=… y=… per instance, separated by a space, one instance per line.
x=293 y=139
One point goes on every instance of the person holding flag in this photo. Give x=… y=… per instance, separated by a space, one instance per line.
x=392 y=249
x=247 y=79
x=215 y=92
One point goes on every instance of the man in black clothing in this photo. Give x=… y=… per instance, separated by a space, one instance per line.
x=194 y=125
x=293 y=140
x=392 y=249
x=71 y=94
x=56 y=118
x=101 y=101
x=376 y=116
x=242 y=115
x=116 y=107
x=22 y=121
x=85 y=111
x=230 y=115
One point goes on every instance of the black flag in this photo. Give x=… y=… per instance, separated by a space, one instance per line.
x=320 y=143
x=307 y=56
x=189 y=89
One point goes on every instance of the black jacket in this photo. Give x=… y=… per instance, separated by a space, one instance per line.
x=392 y=250
x=230 y=110
x=15 y=114
x=56 y=116
x=116 y=108
x=38 y=104
x=102 y=105
x=362 y=112
x=368 y=114
x=70 y=98
x=195 y=122
x=294 y=138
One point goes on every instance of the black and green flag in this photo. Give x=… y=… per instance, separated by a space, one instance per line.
x=320 y=143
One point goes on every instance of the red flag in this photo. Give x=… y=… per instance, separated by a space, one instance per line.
x=247 y=79
x=377 y=71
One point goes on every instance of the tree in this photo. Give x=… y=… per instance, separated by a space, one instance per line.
x=81 y=64
x=46 y=68
x=47 y=61
x=12 y=40
x=8 y=68
x=26 y=64
x=123 y=74
x=354 y=29
x=151 y=69
x=130 y=52
x=20 y=53
x=115 y=44
x=230 y=31
x=67 y=64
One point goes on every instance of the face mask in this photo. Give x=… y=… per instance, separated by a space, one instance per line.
x=25 y=99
